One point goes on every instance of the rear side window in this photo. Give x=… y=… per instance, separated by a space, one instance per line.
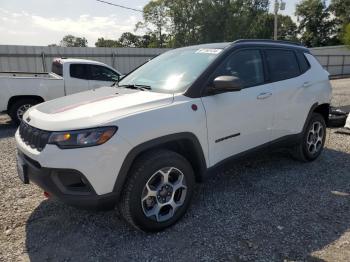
x=79 y=71
x=57 y=68
x=282 y=64
x=101 y=73
x=303 y=62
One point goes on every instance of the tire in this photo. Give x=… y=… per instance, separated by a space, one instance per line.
x=19 y=107
x=139 y=209
x=312 y=143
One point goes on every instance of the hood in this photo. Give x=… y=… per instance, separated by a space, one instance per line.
x=93 y=108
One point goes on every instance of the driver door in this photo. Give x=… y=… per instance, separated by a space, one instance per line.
x=241 y=120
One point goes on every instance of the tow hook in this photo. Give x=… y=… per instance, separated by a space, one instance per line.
x=47 y=194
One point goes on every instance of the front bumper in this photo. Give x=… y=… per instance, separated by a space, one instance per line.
x=69 y=186
x=83 y=177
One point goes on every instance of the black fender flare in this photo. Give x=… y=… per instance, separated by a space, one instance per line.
x=154 y=143
x=312 y=110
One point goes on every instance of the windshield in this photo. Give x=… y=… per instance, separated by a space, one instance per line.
x=173 y=71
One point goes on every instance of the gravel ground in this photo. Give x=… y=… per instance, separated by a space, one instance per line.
x=265 y=208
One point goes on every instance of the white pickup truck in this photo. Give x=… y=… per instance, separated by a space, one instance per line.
x=21 y=90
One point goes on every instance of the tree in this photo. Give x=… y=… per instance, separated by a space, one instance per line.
x=249 y=19
x=346 y=37
x=156 y=20
x=202 y=21
x=316 y=26
x=341 y=9
x=101 y=42
x=72 y=41
x=185 y=22
x=287 y=29
x=341 y=12
x=128 y=39
x=175 y=23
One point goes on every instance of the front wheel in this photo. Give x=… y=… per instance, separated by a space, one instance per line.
x=312 y=141
x=19 y=107
x=158 y=191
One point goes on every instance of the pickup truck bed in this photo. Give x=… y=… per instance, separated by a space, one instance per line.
x=29 y=75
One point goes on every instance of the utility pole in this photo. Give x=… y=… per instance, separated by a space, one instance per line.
x=278 y=6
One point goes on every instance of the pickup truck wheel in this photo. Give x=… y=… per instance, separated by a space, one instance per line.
x=19 y=107
x=158 y=191
x=312 y=141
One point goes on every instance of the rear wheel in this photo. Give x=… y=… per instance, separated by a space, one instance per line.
x=19 y=107
x=158 y=191
x=312 y=141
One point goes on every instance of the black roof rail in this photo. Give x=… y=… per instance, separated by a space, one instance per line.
x=267 y=41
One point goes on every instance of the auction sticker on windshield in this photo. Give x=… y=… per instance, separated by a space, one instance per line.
x=208 y=51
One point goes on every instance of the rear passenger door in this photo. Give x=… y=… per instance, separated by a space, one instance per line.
x=101 y=76
x=289 y=87
x=78 y=80
x=238 y=121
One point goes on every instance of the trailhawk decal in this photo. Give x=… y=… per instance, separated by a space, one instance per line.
x=208 y=51
x=83 y=103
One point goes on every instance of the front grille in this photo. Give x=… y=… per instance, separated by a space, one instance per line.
x=33 y=137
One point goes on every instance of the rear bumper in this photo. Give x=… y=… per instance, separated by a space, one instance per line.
x=68 y=185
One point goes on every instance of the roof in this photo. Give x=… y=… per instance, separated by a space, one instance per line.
x=269 y=42
x=78 y=60
x=83 y=61
x=260 y=42
x=211 y=45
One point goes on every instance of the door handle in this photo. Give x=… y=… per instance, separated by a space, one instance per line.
x=306 y=84
x=264 y=95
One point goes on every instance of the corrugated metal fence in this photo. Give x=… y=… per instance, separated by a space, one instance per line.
x=335 y=59
x=39 y=59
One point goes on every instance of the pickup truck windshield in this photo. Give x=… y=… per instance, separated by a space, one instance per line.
x=173 y=71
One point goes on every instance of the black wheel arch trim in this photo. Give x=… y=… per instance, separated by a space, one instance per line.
x=14 y=99
x=153 y=144
x=312 y=110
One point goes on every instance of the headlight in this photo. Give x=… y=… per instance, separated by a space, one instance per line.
x=82 y=138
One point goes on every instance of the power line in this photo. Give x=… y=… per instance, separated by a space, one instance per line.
x=121 y=6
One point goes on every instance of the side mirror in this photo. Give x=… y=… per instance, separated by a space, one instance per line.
x=223 y=84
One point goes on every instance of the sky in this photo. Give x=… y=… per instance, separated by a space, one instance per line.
x=43 y=22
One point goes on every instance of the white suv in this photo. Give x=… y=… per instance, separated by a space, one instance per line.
x=142 y=144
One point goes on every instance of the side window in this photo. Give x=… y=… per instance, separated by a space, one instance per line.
x=101 y=73
x=282 y=64
x=246 y=65
x=79 y=71
x=57 y=68
x=304 y=64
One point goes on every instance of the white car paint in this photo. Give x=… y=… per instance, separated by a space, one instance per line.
x=238 y=113
x=294 y=97
x=145 y=115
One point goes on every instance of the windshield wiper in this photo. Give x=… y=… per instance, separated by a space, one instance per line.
x=134 y=86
